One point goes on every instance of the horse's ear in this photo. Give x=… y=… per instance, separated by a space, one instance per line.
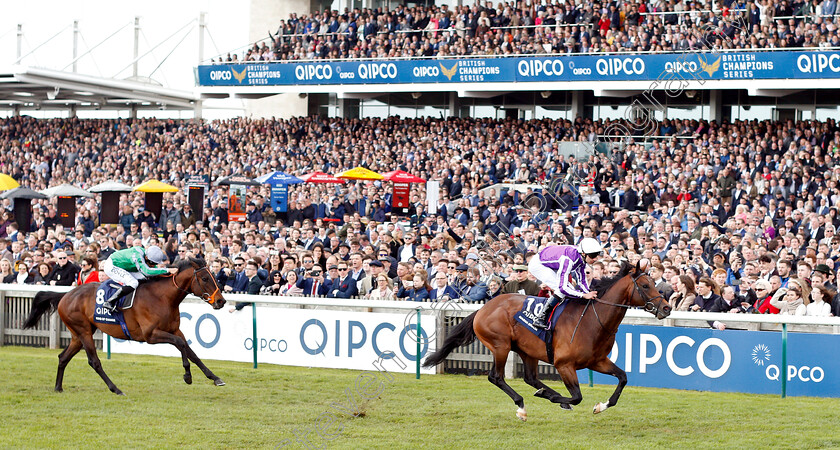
x=643 y=265
x=637 y=266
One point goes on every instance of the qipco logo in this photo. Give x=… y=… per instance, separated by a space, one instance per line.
x=805 y=374
x=681 y=67
x=313 y=72
x=540 y=68
x=217 y=75
x=374 y=71
x=818 y=63
x=620 y=66
x=424 y=72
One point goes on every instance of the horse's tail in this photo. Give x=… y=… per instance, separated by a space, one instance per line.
x=45 y=301
x=462 y=334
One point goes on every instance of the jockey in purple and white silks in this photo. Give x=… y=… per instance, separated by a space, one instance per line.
x=562 y=269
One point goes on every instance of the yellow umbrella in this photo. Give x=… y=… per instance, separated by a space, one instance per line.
x=7 y=182
x=359 y=173
x=155 y=186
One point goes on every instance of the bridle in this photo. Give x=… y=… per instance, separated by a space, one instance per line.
x=205 y=296
x=649 y=305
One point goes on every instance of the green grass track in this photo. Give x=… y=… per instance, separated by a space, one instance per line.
x=267 y=407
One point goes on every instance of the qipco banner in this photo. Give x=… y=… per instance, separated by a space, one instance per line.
x=298 y=337
x=725 y=361
x=687 y=66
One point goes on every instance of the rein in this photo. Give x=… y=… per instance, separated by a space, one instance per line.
x=649 y=306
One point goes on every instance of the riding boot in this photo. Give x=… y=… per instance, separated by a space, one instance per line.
x=542 y=320
x=111 y=303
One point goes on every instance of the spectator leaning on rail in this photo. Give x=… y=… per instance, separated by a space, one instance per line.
x=562 y=269
x=132 y=264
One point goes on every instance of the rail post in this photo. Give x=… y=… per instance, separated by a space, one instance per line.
x=2 y=317
x=418 y=344
x=784 y=360
x=254 y=329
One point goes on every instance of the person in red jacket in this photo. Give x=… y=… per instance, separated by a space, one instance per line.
x=684 y=197
x=763 y=295
x=89 y=272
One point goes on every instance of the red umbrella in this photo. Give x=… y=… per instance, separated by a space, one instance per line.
x=320 y=177
x=398 y=176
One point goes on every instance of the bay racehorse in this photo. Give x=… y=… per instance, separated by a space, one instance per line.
x=583 y=336
x=154 y=318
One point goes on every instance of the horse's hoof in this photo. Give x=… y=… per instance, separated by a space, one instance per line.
x=218 y=382
x=187 y=379
x=599 y=408
x=566 y=406
x=521 y=414
x=120 y=393
x=58 y=389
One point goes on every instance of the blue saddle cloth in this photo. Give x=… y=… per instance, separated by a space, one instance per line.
x=101 y=313
x=528 y=313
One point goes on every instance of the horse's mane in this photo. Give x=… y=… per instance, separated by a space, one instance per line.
x=602 y=285
x=184 y=264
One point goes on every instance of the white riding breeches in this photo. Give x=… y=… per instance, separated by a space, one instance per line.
x=548 y=276
x=121 y=276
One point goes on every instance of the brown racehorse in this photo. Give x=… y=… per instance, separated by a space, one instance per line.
x=583 y=336
x=154 y=318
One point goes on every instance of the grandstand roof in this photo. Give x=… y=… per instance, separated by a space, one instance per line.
x=36 y=88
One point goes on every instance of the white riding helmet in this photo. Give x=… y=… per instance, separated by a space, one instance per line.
x=155 y=254
x=589 y=246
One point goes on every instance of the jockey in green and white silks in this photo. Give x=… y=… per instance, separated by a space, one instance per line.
x=130 y=265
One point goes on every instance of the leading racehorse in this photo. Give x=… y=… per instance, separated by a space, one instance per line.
x=583 y=336
x=154 y=318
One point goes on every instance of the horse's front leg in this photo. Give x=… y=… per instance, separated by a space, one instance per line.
x=569 y=375
x=194 y=358
x=606 y=366
x=159 y=336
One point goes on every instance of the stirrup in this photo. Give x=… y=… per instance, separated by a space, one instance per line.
x=111 y=305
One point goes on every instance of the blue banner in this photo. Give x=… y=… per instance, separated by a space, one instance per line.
x=279 y=197
x=725 y=361
x=662 y=67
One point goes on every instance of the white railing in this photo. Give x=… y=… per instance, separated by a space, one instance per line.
x=15 y=302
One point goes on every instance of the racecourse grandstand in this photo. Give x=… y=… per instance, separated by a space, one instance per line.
x=542 y=28
x=689 y=60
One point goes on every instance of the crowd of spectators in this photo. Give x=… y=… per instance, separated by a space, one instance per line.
x=532 y=27
x=738 y=216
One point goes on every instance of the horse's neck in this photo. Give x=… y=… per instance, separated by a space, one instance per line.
x=183 y=286
x=611 y=314
x=174 y=293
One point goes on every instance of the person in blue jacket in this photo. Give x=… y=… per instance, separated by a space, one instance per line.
x=414 y=290
x=345 y=285
x=442 y=291
x=474 y=290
